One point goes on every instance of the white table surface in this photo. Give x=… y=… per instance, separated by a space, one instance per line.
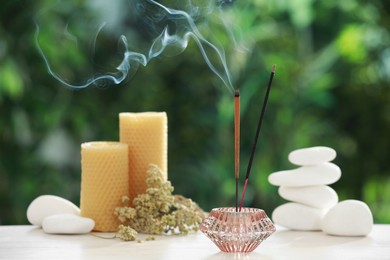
x=29 y=242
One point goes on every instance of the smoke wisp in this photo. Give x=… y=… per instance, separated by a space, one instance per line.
x=144 y=29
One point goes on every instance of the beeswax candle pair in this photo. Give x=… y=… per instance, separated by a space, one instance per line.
x=113 y=169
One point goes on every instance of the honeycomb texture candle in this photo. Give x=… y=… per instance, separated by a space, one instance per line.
x=146 y=135
x=104 y=180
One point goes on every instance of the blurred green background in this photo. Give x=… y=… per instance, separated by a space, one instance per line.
x=331 y=88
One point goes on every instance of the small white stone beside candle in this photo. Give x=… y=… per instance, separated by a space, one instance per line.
x=47 y=205
x=67 y=224
x=57 y=215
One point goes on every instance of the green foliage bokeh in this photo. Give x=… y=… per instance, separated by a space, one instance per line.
x=331 y=88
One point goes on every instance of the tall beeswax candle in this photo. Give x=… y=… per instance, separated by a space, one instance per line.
x=104 y=180
x=146 y=135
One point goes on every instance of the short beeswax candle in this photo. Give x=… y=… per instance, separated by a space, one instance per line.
x=104 y=180
x=146 y=135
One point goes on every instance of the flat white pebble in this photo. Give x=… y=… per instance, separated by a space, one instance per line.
x=312 y=155
x=348 y=218
x=298 y=216
x=47 y=205
x=67 y=224
x=322 y=174
x=319 y=196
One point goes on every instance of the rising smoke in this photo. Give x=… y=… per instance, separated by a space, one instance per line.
x=146 y=30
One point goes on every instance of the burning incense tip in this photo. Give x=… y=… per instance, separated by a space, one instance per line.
x=237 y=93
x=273 y=68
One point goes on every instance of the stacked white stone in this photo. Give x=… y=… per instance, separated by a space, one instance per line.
x=313 y=204
x=306 y=188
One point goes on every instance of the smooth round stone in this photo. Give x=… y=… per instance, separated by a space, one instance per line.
x=312 y=155
x=348 y=218
x=298 y=216
x=67 y=224
x=47 y=205
x=319 y=196
x=322 y=174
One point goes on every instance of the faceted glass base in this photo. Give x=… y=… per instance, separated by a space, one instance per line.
x=235 y=231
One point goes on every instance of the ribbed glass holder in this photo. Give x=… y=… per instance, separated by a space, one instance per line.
x=241 y=231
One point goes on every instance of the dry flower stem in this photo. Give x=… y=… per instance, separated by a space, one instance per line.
x=257 y=134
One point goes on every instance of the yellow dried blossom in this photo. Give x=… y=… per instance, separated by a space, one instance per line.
x=126 y=233
x=157 y=211
x=125 y=213
x=149 y=238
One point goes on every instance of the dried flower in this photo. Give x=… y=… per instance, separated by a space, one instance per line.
x=150 y=238
x=157 y=211
x=126 y=233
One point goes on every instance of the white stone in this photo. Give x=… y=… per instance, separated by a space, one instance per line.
x=67 y=224
x=319 y=196
x=322 y=174
x=348 y=218
x=312 y=155
x=47 y=205
x=298 y=216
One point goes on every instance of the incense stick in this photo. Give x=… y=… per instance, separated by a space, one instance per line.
x=257 y=134
x=237 y=140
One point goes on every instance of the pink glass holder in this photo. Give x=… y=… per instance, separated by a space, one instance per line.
x=239 y=231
